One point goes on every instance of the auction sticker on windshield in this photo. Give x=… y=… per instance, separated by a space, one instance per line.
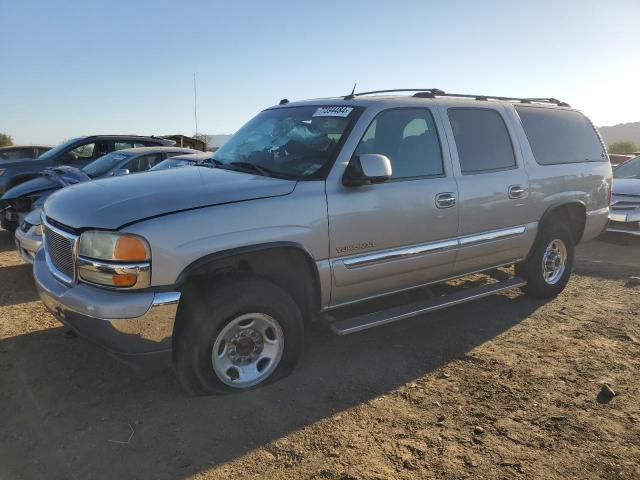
x=333 y=112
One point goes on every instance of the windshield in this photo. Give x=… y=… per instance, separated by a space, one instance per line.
x=630 y=169
x=292 y=142
x=104 y=164
x=173 y=162
x=48 y=155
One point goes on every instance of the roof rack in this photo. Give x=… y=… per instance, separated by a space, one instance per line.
x=436 y=92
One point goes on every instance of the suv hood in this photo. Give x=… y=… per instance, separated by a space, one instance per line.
x=111 y=203
x=626 y=186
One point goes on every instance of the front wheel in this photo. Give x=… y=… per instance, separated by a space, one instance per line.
x=549 y=265
x=236 y=335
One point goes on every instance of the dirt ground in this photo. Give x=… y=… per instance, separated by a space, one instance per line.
x=506 y=387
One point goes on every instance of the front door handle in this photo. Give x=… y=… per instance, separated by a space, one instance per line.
x=516 y=191
x=445 y=200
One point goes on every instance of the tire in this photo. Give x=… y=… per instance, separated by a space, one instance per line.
x=245 y=319
x=548 y=283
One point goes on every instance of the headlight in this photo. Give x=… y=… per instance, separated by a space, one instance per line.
x=116 y=247
x=114 y=259
x=2 y=170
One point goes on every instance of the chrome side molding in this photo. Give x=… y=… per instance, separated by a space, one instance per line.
x=431 y=247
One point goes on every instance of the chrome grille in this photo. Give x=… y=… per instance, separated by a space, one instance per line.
x=59 y=250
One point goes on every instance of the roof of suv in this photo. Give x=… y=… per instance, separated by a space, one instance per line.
x=391 y=97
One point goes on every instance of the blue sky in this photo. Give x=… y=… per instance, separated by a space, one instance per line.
x=74 y=67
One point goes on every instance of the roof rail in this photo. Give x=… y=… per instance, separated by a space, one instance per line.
x=436 y=92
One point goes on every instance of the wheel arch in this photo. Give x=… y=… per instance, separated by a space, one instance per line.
x=286 y=264
x=573 y=214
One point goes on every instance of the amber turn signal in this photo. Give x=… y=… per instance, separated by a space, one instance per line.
x=124 y=279
x=130 y=249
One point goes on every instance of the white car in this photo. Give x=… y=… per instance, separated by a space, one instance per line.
x=624 y=216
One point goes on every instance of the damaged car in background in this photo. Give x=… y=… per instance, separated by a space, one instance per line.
x=25 y=200
x=77 y=152
x=624 y=216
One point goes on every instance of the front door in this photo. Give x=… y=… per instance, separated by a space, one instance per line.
x=391 y=236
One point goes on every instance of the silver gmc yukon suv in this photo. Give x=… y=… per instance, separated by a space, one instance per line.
x=315 y=206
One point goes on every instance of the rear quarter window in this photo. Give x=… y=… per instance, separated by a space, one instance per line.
x=560 y=136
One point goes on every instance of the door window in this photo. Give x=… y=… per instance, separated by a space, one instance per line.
x=408 y=137
x=482 y=140
x=83 y=152
x=143 y=163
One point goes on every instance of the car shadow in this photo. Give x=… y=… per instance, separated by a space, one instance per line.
x=80 y=413
x=17 y=285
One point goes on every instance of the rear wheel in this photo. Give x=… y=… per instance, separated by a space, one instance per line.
x=242 y=334
x=549 y=266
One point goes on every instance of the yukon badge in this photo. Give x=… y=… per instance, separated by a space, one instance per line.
x=356 y=247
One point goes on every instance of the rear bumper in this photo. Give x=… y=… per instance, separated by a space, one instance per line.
x=124 y=323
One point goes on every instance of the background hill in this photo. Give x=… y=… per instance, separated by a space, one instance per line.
x=621 y=132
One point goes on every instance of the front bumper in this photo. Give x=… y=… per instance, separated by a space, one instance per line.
x=124 y=323
x=28 y=243
x=624 y=222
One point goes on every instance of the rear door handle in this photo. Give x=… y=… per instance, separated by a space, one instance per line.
x=445 y=200
x=516 y=191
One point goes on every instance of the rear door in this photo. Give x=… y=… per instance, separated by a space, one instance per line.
x=390 y=236
x=493 y=188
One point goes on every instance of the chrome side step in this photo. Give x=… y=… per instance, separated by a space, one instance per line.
x=382 y=317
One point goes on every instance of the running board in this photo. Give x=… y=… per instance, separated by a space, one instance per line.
x=382 y=317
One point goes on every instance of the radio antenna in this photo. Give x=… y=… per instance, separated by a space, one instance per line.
x=195 y=104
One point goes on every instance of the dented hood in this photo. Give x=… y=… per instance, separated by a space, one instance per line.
x=114 y=202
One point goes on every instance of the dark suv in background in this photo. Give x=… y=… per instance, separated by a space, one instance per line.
x=77 y=152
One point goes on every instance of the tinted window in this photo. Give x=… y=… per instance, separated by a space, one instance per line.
x=122 y=145
x=560 y=136
x=143 y=163
x=482 y=140
x=409 y=138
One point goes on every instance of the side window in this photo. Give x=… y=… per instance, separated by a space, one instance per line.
x=143 y=163
x=482 y=140
x=83 y=152
x=408 y=137
x=560 y=136
x=122 y=145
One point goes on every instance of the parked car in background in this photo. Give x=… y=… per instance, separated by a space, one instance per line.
x=624 y=216
x=75 y=153
x=312 y=207
x=28 y=197
x=618 y=159
x=19 y=152
x=189 y=159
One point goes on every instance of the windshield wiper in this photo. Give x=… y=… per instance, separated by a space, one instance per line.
x=253 y=167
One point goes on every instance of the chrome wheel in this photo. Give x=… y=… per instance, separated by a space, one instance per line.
x=247 y=350
x=554 y=261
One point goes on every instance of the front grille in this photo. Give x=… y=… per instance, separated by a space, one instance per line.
x=60 y=251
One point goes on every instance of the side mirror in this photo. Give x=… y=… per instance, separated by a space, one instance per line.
x=120 y=172
x=367 y=169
